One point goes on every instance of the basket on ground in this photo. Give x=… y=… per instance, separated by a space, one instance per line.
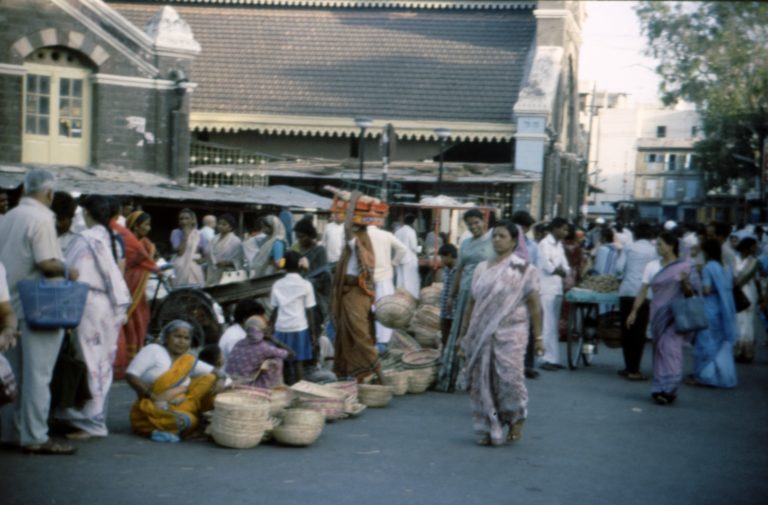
x=374 y=395
x=418 y=382
x=300 y=427
x=396 y=310
x=397 y=380
x=239 y=420
x=426 y=358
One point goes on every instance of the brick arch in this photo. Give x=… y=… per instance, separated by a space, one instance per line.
x=82 y=42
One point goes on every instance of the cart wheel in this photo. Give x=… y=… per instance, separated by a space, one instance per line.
x=575 y=337
x=193 y=306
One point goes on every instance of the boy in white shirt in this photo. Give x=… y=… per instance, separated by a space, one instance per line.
x=292 y=298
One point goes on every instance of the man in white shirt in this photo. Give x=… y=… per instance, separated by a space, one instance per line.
x=553 y=267
x=209 y=228
x=407 y=273
x=29 y=249
x=389 y=252
x=333 y=238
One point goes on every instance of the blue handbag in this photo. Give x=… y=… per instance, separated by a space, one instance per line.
x=52 y=304
x=690 y=314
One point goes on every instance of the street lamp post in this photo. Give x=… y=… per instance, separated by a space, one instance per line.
x=442 y=134
x=363 y=123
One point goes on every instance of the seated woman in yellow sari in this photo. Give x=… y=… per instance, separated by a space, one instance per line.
x=173 y=386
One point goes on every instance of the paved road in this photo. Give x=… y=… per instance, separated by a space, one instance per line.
x=591 y=438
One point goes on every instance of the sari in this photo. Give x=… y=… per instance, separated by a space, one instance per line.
x=355 y=344
x=668 y=344
x=472 y=252
x=223 y=249
x=186 y=270
x=263 y=263
x=97 y=334
x=180 y=415
x=713 y=352
x=139 y=265
x=496 y=341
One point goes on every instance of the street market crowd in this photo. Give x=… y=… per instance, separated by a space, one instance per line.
x=501 y=308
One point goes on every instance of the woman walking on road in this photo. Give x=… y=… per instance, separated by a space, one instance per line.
x=669 y=279
x=504 y=298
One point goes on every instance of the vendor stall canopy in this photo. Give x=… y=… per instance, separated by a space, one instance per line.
x=149 y=186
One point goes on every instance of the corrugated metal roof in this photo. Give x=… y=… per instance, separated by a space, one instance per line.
x=123 y=183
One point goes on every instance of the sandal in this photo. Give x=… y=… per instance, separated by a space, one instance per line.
x=78 y=435
x=515 y=431
x=50 y=448
x=635 y=376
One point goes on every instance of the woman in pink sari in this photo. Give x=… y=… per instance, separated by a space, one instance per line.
x=93 y=254
x=669 y=279
x=504 y=304
x=189 y=246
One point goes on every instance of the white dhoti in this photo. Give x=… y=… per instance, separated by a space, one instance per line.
x=408 y=277
x=550 y=327
x=383 y=288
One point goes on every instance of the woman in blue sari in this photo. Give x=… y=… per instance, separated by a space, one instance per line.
x=713 y=353
x=472 y=251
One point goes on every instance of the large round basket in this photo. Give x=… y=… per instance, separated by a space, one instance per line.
x=425 y=336
x=239 y=419
x=431 y=294
x=395 y=311
x=398 y=381
x=254 y=392
x=303 y=417
x=373 y=395
x=299 y=435
x=427 y=316
x=426 y=358
x=418 y=382
x=281 y=398
x=402 y=342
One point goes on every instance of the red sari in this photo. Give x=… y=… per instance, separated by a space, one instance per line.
x=139 y=264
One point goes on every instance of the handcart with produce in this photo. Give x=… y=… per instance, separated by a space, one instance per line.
x=586 y=325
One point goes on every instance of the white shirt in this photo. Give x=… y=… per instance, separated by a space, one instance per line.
x=208 y=233
x=631 y=266
x=407 y=236
x=651 y=269
x=231 y=336
x=4 y=295
x=333 y=241
x=388 y=251
x=28 y=237
x=153 y=361
x=250 y=249
x=291 y=297
x=551 y=256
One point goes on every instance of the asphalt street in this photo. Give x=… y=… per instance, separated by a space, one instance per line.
x=591 y=438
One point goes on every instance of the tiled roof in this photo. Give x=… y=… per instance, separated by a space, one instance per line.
x=425 y=64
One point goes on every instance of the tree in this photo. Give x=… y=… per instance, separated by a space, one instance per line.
x=715 y=55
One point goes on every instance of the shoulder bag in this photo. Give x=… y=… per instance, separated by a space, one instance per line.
x=52 y=304
x=690 y=314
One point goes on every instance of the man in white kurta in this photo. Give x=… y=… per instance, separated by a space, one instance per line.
x=333 y=239
x=553 y=267
x=389 y=252
x=29 y=249
x=407 y=273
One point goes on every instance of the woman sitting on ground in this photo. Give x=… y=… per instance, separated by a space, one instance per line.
x=256 y=360
x=174 y=388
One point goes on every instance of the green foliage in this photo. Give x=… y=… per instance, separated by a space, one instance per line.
x=715 y=55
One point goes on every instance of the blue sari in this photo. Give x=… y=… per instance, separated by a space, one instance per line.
x=714 y=363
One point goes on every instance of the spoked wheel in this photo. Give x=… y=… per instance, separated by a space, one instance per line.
x=575 y=337
x=193 y=306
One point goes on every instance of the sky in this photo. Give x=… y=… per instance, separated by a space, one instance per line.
x=612 y=51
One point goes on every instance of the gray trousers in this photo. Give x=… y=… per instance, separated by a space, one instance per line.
x=32 y=360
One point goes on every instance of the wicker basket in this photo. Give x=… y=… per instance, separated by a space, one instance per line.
x=297 y=436
x=426 y=358
x=236 y=439
x=281 y=398
x=418 y=382
x=373 y=395
x=239 y=419
x=349 y=387
x=431 y=294
x=395 y=311
x=427 y=316
x=318 y=390
x=331 y=408
x=398 y=381
x=303 y=417
x=402 y=342
x=241 y=406
x=425 y=336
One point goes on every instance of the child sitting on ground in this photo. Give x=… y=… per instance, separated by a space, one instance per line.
x=257 y=360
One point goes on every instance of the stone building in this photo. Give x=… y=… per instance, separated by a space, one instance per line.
x=82 y=86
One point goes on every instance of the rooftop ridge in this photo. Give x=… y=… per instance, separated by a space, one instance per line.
x=368 y=4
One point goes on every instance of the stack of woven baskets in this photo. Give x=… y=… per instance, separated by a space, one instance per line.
x=327 y=400
x=431 y=294
x=300 y=427
x=239 y=420
x=397 y=380
x=352 y=405
x=425 y=326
